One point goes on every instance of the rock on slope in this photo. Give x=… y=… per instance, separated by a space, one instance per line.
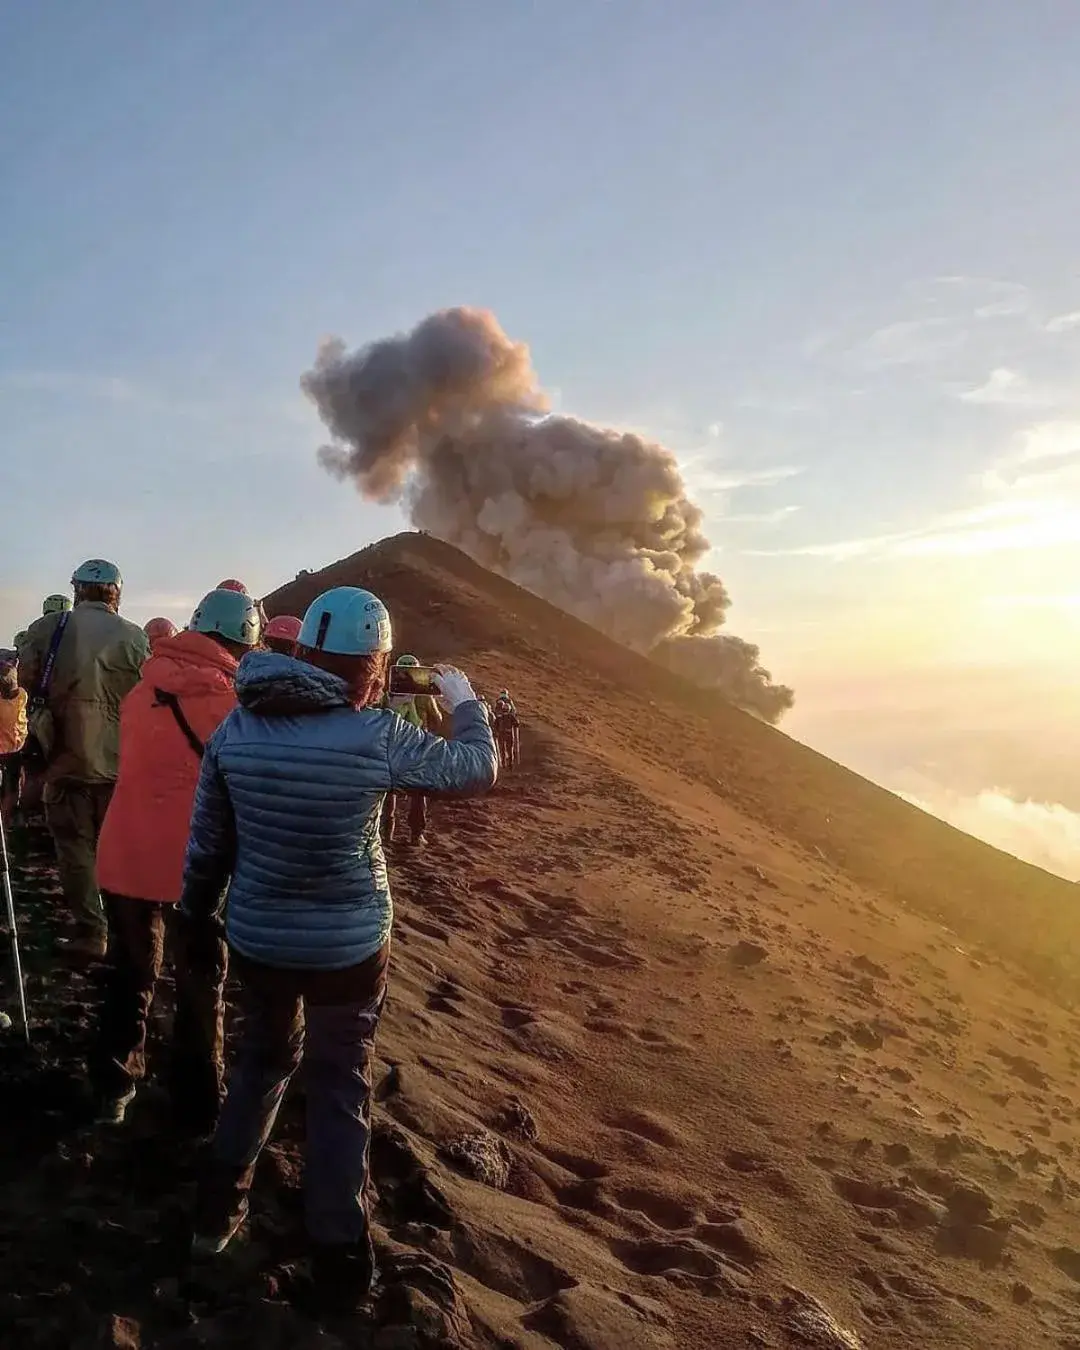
x=680 y=1052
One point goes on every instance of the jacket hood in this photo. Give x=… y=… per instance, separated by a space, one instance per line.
x=189 y=663
x=280 y=686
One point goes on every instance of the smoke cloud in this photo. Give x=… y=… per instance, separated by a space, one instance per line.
x=451 y=418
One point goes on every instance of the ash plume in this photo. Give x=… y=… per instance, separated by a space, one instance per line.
x=451 y=418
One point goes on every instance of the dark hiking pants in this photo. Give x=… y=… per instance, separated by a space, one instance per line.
x=418 y=813
x=327 y=1021
x=74 y=813
x=139 y=933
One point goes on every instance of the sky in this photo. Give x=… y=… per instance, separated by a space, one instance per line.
x=827 y=253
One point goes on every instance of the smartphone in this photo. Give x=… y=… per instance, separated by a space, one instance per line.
x=413 y=680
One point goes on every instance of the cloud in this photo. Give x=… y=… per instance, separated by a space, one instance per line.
x=1030 y=501
x=761 y=517
x=1063 y=323
x=1007 y=388
x=981 y=297
x=1049 y=440
x=993 y=527
x=911 y=342
x=1044 y=833
x=1065 y=604
x=953 y=315
x=730 y=480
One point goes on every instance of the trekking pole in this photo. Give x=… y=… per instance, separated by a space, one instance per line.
x=9 y=898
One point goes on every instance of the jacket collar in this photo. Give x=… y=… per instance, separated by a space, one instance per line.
x=281 y=686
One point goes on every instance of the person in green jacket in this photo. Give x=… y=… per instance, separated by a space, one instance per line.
x=423 y=712
x=77 y=725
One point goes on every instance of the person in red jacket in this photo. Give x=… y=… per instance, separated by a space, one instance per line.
x=185 y=691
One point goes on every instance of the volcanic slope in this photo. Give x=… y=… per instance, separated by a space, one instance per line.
x=695 y=1039
x=777 y=1026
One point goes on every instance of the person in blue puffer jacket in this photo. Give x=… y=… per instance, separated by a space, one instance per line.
x=285 y=827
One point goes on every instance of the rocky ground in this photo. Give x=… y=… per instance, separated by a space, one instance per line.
x=694 y=1040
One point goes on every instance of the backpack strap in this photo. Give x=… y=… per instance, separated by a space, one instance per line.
x=41 y=693
x=163 y=699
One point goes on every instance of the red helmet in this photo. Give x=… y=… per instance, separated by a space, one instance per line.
x=231 y=584
x=285 y=626
x=157 y=629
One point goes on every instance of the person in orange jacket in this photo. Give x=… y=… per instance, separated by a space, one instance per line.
x=13 y=701
x=186 y=690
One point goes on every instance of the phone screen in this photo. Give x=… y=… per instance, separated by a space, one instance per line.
x=412 y=680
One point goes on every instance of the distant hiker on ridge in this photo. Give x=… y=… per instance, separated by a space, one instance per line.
x=506 y=729
x=423 y=712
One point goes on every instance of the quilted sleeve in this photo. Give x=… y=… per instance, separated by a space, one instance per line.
x=211 y=848
x=468 y=763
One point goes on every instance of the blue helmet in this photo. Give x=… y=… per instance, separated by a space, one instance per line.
x=97 y=572
x=230 y=614
x=347 y=621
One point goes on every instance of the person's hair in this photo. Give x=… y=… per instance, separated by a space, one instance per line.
x=365 y=675
x=237 y=649
x=96 y=592
x=283 y=646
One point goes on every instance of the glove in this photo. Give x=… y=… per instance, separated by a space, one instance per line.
x=454 y=687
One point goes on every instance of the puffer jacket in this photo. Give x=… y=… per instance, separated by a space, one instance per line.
x=288 y=805
x=144 y=835
x=12 y=722
x=97 y=664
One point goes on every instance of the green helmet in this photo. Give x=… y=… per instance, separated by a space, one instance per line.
x=97 y=572
x=406 y=661
x=55 y=604
x=19 y=639
x=230 y=614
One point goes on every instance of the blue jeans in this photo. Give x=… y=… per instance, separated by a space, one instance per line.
x=327 y=1022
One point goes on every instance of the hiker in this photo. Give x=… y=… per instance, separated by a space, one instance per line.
x=13 y=703
x=157 y=629
x=422 y=711
x=506 y=729
x=185 y=691
x=280 y=634
x=77 y=665
x=287 y=816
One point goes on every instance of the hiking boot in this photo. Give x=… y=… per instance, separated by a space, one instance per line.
x=89 y=945
x=342 y=1275
x=112 y=1110
x=419 y=840
x=212 y=1239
